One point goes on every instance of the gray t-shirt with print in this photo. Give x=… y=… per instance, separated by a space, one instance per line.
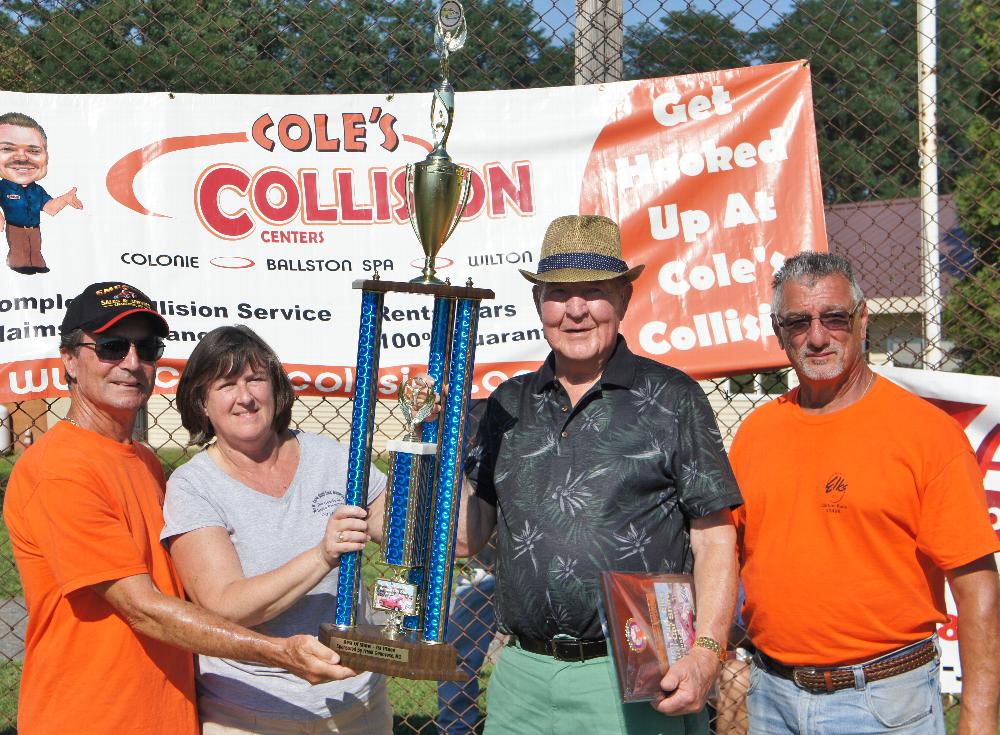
x=267 y=532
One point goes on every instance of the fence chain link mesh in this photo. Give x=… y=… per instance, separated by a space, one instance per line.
x=863 y=56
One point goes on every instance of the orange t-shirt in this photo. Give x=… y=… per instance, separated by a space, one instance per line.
x=849 y=519
x=83 y=509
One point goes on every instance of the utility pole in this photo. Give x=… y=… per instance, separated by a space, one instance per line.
x=929 y=235
x=600 y=27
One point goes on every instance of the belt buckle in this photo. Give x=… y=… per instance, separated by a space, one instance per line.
x=802 y=670
x=561 y=645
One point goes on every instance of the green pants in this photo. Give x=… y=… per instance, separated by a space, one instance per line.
x=531 y=694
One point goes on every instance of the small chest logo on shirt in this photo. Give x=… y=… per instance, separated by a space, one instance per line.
x=325 y=502
x=15 y=197
x=833 y=494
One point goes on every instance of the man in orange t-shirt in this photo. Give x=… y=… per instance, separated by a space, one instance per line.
x=860 y=499
x=109 y=633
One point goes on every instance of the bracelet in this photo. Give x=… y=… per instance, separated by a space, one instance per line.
x=712 y=645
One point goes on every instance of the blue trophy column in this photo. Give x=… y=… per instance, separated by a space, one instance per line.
x=448 y=484
x=366 y=380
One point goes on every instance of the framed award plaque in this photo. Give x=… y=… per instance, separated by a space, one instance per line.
x=648 y=620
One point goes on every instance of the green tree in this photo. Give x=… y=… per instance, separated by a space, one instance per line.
x=972 y=321
x=972 y=311
x=376 y=46
x=684 y=42
x=15 y=67
x=978 y=189
x=863 y=61
x=278 y=46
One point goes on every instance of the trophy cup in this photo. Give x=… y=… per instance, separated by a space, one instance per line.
x=425 y=472
x=437 y=189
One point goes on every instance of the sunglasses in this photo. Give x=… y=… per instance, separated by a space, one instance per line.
x=116 y=349
x=832 y=321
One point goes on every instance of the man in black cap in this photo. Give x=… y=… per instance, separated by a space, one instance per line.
x=109 y=632
x=600 y=460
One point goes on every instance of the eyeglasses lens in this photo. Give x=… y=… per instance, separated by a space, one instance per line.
x=834 y=321
x=116 y=348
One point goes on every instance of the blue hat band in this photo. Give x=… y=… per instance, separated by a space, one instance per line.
x=582 y=261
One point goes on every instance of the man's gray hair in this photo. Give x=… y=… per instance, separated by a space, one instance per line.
x=809 y=267
x=71 y=343
x=71 y=340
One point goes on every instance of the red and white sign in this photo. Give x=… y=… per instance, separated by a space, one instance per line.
x=262 y=210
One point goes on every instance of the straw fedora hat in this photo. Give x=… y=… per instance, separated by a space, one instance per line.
x=581 y=247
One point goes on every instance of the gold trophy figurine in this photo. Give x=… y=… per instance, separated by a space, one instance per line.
x=436 y=188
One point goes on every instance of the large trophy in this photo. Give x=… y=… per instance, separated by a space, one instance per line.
x=425 y=467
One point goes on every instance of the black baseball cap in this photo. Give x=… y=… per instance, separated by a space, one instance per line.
x=102 y=305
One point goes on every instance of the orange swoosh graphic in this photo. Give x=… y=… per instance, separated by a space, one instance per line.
x=418 y=141
x=121 y=176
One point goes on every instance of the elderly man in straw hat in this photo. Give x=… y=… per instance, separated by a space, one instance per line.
x=599 y=460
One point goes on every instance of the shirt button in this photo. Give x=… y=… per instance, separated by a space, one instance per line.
x=564 y=409
x=565 y=434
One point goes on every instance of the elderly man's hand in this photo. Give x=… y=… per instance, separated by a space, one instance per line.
x=309 y=659
x=687 y=683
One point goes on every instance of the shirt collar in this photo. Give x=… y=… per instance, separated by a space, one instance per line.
x=619 y=371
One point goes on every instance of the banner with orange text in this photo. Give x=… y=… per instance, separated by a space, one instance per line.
x=973 y=401
x=263 y=210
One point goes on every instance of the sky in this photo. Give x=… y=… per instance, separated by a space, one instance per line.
x=746 y=14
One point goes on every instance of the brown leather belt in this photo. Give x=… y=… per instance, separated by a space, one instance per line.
x=831 y=679
x=561 y=649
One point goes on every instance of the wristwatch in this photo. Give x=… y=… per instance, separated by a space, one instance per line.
x=712 y=645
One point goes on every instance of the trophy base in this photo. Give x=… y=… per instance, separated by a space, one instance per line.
x=367 y=648
x=428 y=280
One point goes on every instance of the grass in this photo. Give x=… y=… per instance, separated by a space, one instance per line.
x=10 y=581
x=415 y=703
x=10 y=679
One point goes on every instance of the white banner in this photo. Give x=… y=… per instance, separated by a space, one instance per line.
x=974 y=401
x=263 y=210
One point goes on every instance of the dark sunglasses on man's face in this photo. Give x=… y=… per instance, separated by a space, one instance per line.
x=832 y=321
x=115 y=349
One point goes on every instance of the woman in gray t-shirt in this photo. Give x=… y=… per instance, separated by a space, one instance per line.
x=256 y=525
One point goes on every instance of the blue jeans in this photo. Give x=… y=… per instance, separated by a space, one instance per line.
x=906 y=704
x=471 y=627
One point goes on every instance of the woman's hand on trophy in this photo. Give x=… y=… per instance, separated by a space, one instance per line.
x=346 y=531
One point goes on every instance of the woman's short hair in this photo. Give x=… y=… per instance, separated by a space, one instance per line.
x=224 y=353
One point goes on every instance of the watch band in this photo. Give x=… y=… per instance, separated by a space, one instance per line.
x=712 y=645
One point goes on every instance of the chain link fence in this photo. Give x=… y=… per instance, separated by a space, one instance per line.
x=863 y=55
